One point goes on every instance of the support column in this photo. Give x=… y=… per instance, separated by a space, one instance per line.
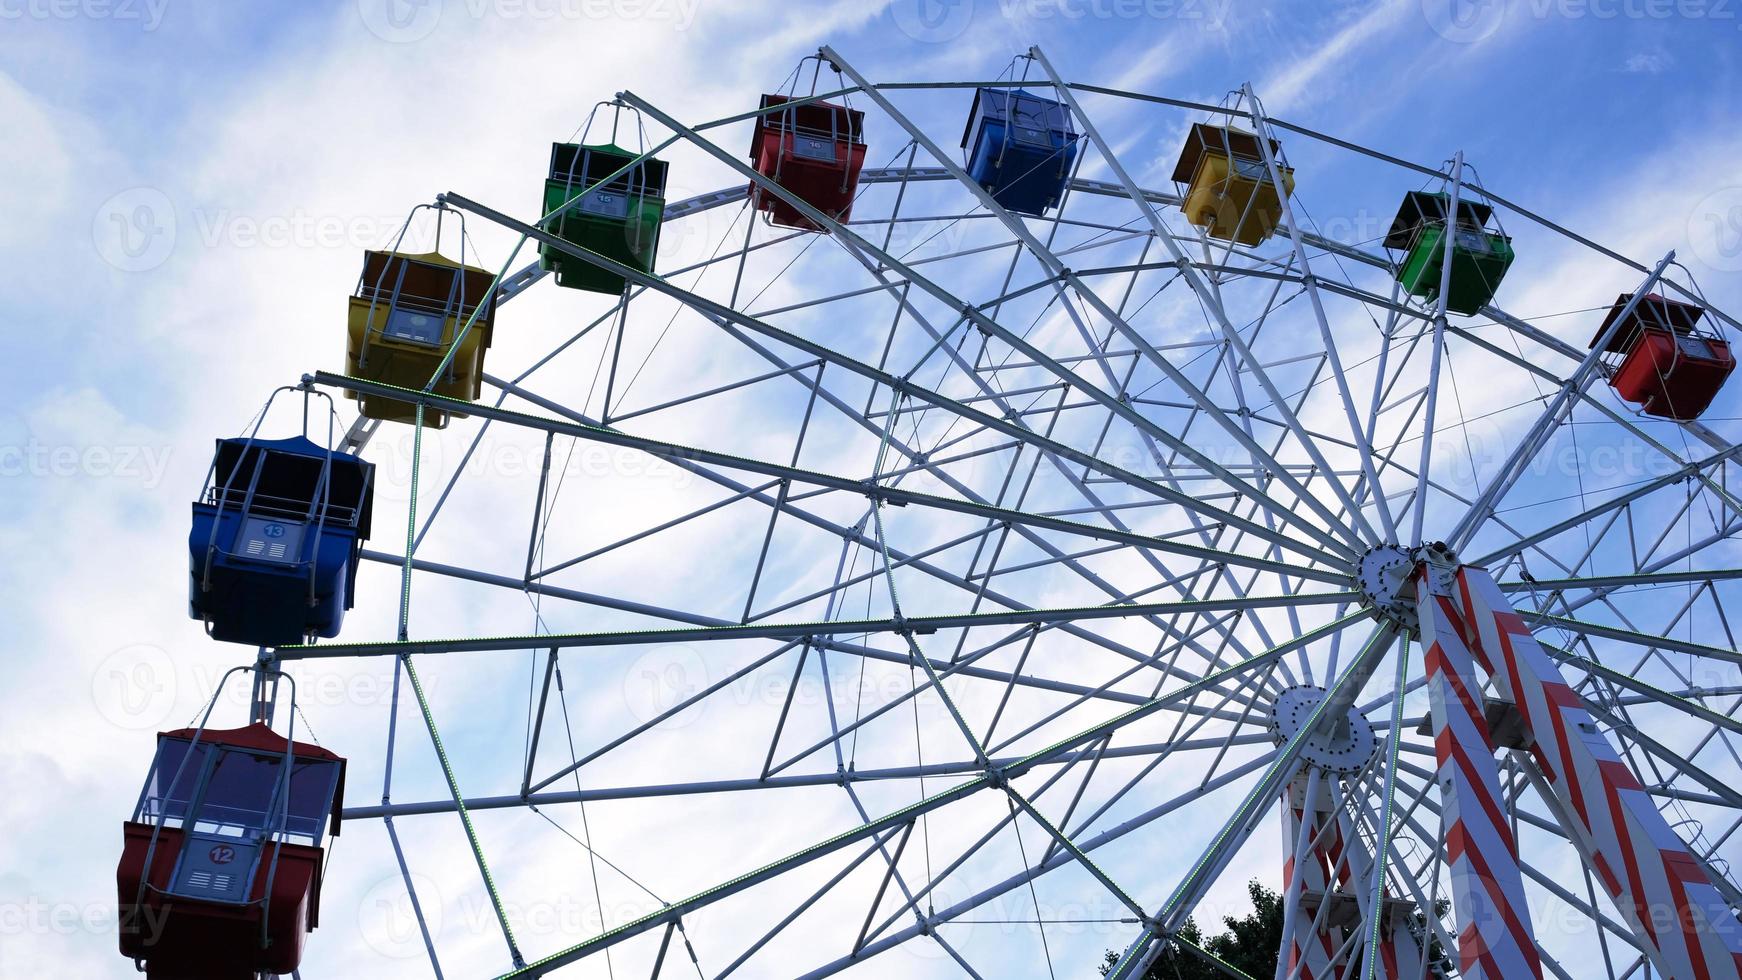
x=1328 y=864
x=1325 y=874
x=1307 y=943
x=1400 y=953
x=1494 y=935
x=1687 y=929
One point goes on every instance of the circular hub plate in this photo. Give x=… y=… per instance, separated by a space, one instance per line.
x=1384 y=580
x=1341 y=746
x=1387 y=579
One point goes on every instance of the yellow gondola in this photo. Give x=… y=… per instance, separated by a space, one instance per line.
x=406 y=314
x=1229 y=192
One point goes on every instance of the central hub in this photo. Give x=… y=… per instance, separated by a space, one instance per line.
x=1387 y=579
x=1341 y=745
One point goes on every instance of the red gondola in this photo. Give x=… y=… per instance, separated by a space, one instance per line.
x=814 y=150
x=1662 y=358
x=230 y=825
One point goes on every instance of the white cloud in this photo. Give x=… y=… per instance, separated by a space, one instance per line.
x=36 y=161
x=1648 y=63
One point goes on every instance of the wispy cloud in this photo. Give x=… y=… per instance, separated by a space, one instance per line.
x=1648 y=62
x=1292 y=86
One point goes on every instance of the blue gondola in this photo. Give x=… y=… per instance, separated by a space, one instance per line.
x=1021 y=148
x=276 y=539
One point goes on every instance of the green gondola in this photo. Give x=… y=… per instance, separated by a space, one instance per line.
x=1480 y=255
x=618 y=217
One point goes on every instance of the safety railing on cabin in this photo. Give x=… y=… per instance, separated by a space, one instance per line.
x=286 y=508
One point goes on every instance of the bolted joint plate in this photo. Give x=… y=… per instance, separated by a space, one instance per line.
x=1339 y=745
x=1387 y=579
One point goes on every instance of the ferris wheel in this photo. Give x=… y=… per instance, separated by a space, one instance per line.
x=1085 y=531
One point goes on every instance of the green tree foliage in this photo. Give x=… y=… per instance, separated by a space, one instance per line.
x=1249 y=945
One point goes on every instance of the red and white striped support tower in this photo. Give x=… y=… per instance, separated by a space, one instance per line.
x=1400 y=953
x=1310 y=943
x=1321 y=845
x=1664 y=893
x=1327 y=869
x=1494 y=935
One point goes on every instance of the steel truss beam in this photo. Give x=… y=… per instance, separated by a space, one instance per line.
x=803 y=631
x=674 y=452
x=995 y=778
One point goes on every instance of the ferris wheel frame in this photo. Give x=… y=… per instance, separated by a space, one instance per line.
x=1317 y=542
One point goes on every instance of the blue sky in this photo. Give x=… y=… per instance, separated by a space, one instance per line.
x=1582 y=91
x=187 y=186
